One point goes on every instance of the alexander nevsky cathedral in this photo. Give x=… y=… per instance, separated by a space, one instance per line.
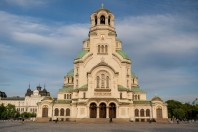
x=102 y=83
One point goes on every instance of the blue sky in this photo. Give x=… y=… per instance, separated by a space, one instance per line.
x=40 y=38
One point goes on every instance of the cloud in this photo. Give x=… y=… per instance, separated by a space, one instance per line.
x=37 y=52
x=25 y=3
x=163 y=49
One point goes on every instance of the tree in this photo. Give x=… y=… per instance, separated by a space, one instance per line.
x=10 y=111
x=182 y=111
x=179 y=113
x=2 y=111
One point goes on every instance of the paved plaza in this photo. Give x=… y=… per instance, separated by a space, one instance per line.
x=16 y=126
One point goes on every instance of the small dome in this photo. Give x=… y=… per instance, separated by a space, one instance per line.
x=156 y=98
x=70 y=73
x=195 y=102
x=44 y=90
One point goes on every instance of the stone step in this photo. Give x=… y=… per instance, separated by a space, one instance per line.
x=102 y=120
x=163 y=120
x=42 y=119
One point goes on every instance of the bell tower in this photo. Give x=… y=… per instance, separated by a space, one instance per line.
x=102 y=19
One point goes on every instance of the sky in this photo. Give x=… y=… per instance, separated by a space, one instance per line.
x=39 y=40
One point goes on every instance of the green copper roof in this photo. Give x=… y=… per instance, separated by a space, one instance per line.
x=133 y=74
x=123 y=54
x=70 y=73
x=136 y=90
x=66 y=89
x=142 y=102
x=82 y=88
x=195 y=102
x=122 y=88
x=81 y=54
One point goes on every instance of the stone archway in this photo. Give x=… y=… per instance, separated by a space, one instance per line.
x=102 y=112
x=159 y=113
x=45 y=111
x=112 y=110
x=93 y=110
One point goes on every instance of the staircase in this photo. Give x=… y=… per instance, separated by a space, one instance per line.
x=162 y=120
x=102 y=120
x=42 y=119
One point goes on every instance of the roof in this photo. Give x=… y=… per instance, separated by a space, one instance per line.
x=66 y=89
x=156 y=98
x=70 y=73
x=195 y=102
x=133 y=89
x=47 y=98
x=82 y=88
x=136 y=90
x=123 y=54
x=81 y=54
x=62 y=101
x=142 y=102
x=122 y=88
x=13 y=98
x=102 y=9
x=133 y=75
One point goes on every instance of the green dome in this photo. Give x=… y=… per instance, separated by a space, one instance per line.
x=195 y=102
x=81 y=54
x=70 y=73
x=123 y=54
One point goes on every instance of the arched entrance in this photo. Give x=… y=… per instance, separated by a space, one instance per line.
x=112 y=110
x=102 y=112
x=93 y=110
x=45 y=111
x=159 y=112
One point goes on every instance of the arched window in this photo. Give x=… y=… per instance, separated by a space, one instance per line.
x=109 y=20
x=135 y=97
x=142 y=112
x=56 y=112
x=107 y=82
x=138 y=97
x=120 y=95
x=136 y=112
x=102 y=49
x=98 y=48
x=61 y=112
x=147 y=112
x=64 y=96
x=102 y=81
x=67 y=112
x=96 y=20
x=98 y=81
x=106 y=49
x=127 y=83
x=102 y=19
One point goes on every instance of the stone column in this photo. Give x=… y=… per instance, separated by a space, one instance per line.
x=107 y=112
x=106 y=20
x=97 y=112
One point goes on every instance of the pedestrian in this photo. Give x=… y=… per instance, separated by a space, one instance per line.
x=110 y=120
x=23 y=120
x=177 y=121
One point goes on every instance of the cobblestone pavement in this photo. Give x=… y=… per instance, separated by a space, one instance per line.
x=17 y=126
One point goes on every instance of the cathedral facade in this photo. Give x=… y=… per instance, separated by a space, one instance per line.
x=102 y=83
